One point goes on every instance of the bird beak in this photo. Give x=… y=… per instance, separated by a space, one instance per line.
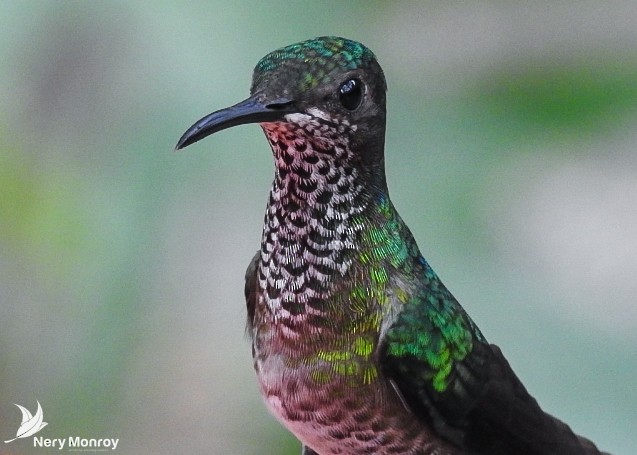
x=255 y=109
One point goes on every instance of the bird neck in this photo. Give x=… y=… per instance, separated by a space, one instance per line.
x=316 y=213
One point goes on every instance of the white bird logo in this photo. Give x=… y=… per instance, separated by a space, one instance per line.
x=31 y=424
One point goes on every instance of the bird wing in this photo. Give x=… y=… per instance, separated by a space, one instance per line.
x=463 y=387
x=250 y=289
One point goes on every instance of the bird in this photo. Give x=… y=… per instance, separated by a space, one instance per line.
x=357 y=345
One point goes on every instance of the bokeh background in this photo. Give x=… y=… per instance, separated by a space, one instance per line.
x=511 y=153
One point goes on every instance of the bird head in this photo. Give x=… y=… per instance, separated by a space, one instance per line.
x=324 y=92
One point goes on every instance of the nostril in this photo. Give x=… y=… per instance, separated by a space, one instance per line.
x=280 y=104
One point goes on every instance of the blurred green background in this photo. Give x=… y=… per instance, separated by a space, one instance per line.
x=511 y=153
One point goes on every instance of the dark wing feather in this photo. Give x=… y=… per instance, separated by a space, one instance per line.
x=462 y=386
x=250 y=290
x=507 y=419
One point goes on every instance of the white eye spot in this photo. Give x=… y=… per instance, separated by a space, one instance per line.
x=298 y=118
x=315 y=112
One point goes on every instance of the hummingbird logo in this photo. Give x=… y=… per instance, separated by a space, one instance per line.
x=31 y=424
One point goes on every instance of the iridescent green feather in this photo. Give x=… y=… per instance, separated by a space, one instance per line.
x=315 y=59
x=432 y=330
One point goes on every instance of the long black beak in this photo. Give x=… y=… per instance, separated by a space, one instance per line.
x=251 y=110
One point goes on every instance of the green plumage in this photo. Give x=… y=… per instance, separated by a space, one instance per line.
x=431 y=329
x=316 y=58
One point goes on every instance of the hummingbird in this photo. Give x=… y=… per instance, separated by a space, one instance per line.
x=358 y=346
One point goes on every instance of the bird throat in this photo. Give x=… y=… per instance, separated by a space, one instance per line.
x=313 y=217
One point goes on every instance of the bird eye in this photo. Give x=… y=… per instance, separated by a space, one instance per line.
x=351 y=93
